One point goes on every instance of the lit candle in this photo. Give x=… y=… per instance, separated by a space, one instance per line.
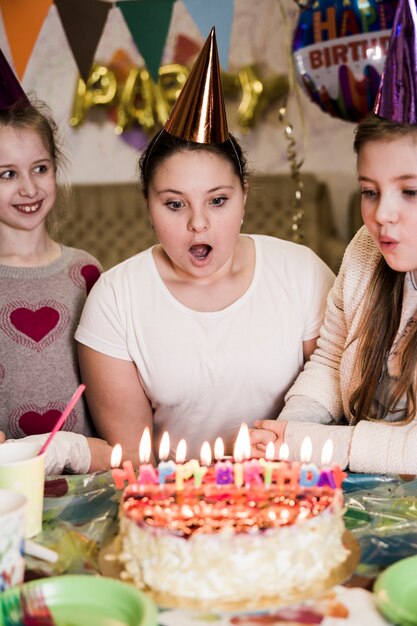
x=223 y=469
x=268 y=464
x=309 y=475
x=326 y=475
x=183 y=470
x=200 y=470
x=218 y=449
x=287 y=471
x=121 y=475
x=240 y=451
x=147 y=472
x=165 y=468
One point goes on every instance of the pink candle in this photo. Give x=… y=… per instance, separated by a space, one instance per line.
x=120 y=476
x=147 y=472
x=252 y=472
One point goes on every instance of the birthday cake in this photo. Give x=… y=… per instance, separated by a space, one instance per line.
x=223 y=543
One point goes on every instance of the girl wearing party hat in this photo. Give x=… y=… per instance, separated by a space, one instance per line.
x=209 y=328
x=43 y=286
x=363 y=372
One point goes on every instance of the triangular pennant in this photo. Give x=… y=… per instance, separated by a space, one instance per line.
x=11 y=90
x=148 y=22
x=83 y=22
x=23 y=20
x=218 y=13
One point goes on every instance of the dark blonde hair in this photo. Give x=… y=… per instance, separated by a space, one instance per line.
x=382 y=311
x=37 y=117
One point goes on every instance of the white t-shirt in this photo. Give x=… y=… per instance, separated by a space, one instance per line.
x=207 y=372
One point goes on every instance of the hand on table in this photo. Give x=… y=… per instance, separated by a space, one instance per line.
x=264 y=432
x=2 y=437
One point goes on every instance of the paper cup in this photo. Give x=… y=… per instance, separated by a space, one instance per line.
x=13 y=508
x=23 y=471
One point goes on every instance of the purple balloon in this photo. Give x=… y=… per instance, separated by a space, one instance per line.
x=396 y=99
x=11 y=90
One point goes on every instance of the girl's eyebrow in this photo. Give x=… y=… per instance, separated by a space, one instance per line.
x=176 y=191
x=37 y=161
x=402 y=177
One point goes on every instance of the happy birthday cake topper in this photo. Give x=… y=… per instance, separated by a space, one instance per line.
x=199 y=113
x=11 y=91
x=396 y=99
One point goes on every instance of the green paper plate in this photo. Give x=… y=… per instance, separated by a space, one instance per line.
x=396 y=592
x=86 y=600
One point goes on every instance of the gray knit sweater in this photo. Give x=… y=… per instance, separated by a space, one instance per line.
x=39 y=312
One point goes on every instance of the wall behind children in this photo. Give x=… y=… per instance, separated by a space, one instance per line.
x=260 y=36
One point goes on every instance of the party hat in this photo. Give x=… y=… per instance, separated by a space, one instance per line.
x=10 y=89
x=396 y=99
x=199 y=113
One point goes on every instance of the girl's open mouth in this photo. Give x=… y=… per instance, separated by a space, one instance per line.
x=200 y=251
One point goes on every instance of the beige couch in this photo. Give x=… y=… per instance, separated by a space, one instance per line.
x=111 y=221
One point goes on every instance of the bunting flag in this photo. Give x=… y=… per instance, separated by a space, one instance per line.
x=148 y=22
x=23 y=20
x=218 y=13
x=83 y=22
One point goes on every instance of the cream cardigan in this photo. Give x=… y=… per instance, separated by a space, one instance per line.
x=331 y=375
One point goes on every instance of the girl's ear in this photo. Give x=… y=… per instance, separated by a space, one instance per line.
x=245 y=190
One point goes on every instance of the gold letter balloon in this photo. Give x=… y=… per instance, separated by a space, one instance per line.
x=139 y=101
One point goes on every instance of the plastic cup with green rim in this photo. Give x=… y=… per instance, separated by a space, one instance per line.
x=22 y=470
x=13 y=507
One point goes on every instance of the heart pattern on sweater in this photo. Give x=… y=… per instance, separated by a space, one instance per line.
x=90 y=273
x=33 y=419
x=34 y=325
x=34 y=423
x=84 y=275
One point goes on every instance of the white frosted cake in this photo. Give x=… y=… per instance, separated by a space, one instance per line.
x=221 y=543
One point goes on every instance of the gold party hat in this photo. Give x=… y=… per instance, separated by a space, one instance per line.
x=199 y=113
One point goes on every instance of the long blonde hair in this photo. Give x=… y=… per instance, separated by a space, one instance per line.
x=382 y=311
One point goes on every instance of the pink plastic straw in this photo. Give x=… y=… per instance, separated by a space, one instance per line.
x=76 y=396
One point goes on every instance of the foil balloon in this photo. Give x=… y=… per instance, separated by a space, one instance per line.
x=339 y=51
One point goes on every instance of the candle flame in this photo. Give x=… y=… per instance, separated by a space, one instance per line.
x=327 y=452
x=284 y=452
x=306 y=450
x=241 y=448
x=218 y=449
x=116 y=455
x=164 y=447
x=270 y=451
x=145 y=446
x=205 y=454
x=181 y=452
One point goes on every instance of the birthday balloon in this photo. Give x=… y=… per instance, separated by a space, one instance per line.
x=339 y=49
